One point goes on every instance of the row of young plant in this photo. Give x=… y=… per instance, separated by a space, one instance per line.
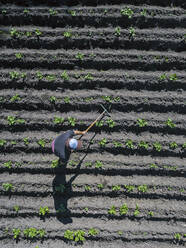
x=144 y=188
x=73 y=163
x=65 y=76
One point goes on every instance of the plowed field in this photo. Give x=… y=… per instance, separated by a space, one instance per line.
x=58 y=62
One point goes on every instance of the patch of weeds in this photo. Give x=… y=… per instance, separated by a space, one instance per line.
x=141 y=122
x=51 y=78
x=107 y=99
x=143 y=12
x=14 y=33
x=177 y=236
x=184 y=145
x=112 y=210
x=26 y=11
x=127 y=12
x=14 y=75
x=163 y=77
x=73 y=163
x=38 y=32
x=123 y=209
x=72 y=12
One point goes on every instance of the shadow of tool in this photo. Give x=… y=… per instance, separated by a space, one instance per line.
x=62 y=190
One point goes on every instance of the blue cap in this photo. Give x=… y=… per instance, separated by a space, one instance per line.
x=73 y=143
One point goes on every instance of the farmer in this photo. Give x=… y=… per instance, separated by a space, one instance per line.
x=64 y=143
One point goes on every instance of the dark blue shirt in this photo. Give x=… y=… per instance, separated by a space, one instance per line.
x=60 y=149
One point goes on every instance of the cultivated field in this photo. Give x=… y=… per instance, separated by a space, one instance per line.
x=58 y=63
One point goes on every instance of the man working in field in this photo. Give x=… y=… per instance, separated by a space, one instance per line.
x=64 y=143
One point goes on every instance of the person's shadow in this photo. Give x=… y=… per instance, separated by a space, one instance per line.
x=62 y=190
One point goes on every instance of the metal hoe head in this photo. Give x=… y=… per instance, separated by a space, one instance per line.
x=105 y=111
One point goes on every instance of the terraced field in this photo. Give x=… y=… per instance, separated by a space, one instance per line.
x=126 y=187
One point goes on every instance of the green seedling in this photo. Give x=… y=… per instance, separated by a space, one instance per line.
x=129 y=144
x=89 y=99
x=42 y=143
x=28 y=34
x=51 y=78
x=58 y=120
x=173 y=145
x=129 y=188
x=67 y=34
x=132 y=32
x=170 y=123
x=79 y=236
x=60 y=188
x=15 y=98
x=11 y=120
x=14 y=75
x=64 y=76
x=13 y=142
x=93 y=232
x=72 y=12
x=116 y=188
x=110 y=123
x=73 y=163
x=141 y=122
x=153 y=166
x=112 y=210
x=41 y=233
x=86 y=209
x=117 y=144
x=163 y=77
x=16 y=209
x=52 y=12
x=8 y=164
x=4 y=12
x=120 y=233
x=69 y=235
x=55 y=163
x=143 y=12
x=99 y=123
x=52 y=99
x=2 y=142
x=19 y=55
x=123 y=209
x=117 y=31
x=88 y=164
x=72 y=121
x=20 y=121
x=157 y=146
x=183 y=146
x=89 y=77
x=143 y=144
x=136 y=211
x=7 y=187
x=38 y=33
x=151 y=213
x=127 y=12
x=98 y=164
x=39 y=75
x=14 y=33
x=173 y=77
x=67 y=99
x=142 y=188
x=87 y=188
x=16 y=233
x=103 y=142
x=26 y=11
x=177 y=236
x=79 y=56
x=100 y=186
x=107 y=99
x=43 y=211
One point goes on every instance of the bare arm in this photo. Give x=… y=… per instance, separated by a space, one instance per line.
x=79 y=132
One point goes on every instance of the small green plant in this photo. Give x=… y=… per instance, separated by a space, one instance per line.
x=58 y=120
x=26 y=11
x=132 y=32
x=142 y=188
x=99 y=123
x=38 y=33
x=157 y=146
x=39 y=75
x=7 y=187
x=11 y=120
x=151 y=213
x=117 y=144
x=123 y=209
x=64 y=76
x=116 y=188
x=42 y=143
x=43 y=211
x=8 y=164
x=60 y=188
x=129 y=144
x=183 y=146
x=52 y=99
x=15 y=98
x=107 y=99
x=117 y=31
x=100 y=186
x=88 y=164
x=4 y=12
x=103 y=142
x=98 y=164
x=69 y=235
x=129 y=188
x=72 y=12
x=143 y=12
x=16 y=209
x=2 y=142
x=72 y=121
x=170 y=123
x=177 y=236
x=88 y=77
x=87 y=188
x=79 y=236
x=52 y=12
x=153 y=166
x=67 y=99
x=173 y=77
x=41 y=233
x=110 y=123
x=93 y=232
x=55 y=163
x=127 y=12
x=67 y=34
x=79 y=56
x=32 y=233
x=136 y=211
x=141 y=122
x=51 y=78
x=16 y=233
x=19 y=55
x=112 y=210
x=143 y=144
x=163 y=77
x=14 y=33
x=173 y=145
x=14 y=75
